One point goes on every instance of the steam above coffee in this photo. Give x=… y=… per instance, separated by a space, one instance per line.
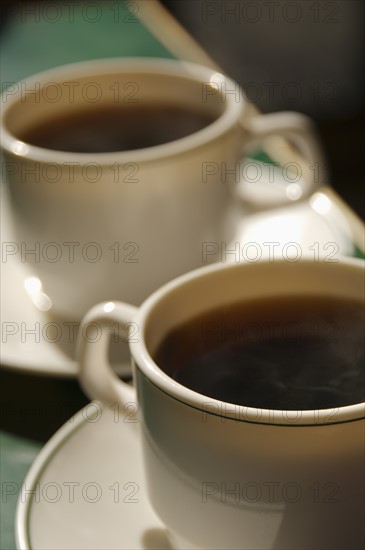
x=119 y=127
x=302 y=352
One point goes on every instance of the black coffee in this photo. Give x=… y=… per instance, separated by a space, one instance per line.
x=122 y=127
x=277 y=353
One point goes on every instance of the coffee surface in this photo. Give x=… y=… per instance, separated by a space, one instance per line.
x=278 y=353
x=121 y=127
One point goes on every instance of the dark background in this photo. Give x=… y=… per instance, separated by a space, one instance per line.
x=302 y=55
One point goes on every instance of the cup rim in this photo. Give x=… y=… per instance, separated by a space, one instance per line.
x=144 y=362
x=140 y=65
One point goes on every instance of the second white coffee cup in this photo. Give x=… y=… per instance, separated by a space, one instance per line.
x=99 y=226
x=228 y=476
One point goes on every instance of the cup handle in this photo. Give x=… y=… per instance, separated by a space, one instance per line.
x=96 y=375
x=299 y=130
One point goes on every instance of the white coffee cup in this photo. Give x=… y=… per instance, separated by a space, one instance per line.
x=227 y=476
x=94 y=227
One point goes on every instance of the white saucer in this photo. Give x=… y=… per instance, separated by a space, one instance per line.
x=19 y=349
x=28 y=335
x=96 y=456
x=303 y=223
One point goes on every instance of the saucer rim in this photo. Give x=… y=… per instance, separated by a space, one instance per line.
x=68 y=369
x=23 y=509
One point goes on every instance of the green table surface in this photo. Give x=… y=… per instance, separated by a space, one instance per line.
x=32 y=407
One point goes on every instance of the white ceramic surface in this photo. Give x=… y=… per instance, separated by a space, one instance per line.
x=25 y=352
x=210 y=464
x=134 y=218
x=91 y=490
x=30 y=340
